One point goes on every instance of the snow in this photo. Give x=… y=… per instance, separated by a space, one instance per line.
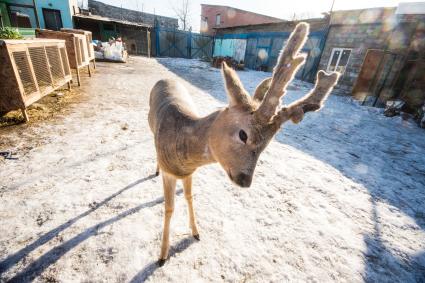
x=339 y=197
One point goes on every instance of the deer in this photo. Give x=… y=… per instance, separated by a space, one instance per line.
x=234 y=136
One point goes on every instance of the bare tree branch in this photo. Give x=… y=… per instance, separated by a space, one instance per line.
x=182 y=13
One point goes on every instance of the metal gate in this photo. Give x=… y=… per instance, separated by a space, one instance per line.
x=183 y=44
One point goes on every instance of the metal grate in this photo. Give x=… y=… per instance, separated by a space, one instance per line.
x=41 y=67
x=65 y=61
x=55 y=63
x=89 y=45
x=78 y=52
x=24 y=71
x=83 y=54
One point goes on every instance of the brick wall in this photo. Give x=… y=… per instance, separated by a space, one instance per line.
x=230 y=17
x=104 y=10
x=359 y=38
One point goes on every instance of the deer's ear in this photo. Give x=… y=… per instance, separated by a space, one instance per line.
x=236 y=93
x=261 y=89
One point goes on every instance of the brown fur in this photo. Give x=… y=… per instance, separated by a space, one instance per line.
x=184 y=141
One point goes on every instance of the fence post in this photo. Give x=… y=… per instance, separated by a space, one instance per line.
x=157 y=51
x=189 y=45
x=148 y=34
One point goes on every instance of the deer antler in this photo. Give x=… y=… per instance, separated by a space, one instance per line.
x=270 y=90
x=288 y=63
x=313 y=101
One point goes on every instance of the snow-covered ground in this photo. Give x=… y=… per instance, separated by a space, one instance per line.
x=340 y=197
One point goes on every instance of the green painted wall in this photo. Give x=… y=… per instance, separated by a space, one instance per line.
x=4 y=14
x=106 y=34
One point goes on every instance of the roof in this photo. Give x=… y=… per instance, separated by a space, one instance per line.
x=310 y=21
x=245 y=11
x=94 y=3
x=110 y=20
x=411 y=8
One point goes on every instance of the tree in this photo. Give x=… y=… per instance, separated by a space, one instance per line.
x=182 y=13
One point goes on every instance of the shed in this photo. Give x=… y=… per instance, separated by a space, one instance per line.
x=136 y=36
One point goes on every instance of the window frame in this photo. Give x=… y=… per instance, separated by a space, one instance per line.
x=341 y=49
x=46 y=10
x=218 y=17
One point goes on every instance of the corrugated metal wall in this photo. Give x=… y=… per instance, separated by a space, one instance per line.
x=177 y=43
x=262 y=50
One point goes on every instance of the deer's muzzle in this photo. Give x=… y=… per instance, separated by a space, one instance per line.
x=243 y=180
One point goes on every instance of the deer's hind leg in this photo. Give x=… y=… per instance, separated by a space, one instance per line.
x=169 y=183
x=187 y=185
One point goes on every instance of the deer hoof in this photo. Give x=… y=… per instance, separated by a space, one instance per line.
x=157 y=173
x=197 y=237
x=161 y=262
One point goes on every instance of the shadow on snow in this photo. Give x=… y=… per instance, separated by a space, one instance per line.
x=347 y=149
x=40 y=264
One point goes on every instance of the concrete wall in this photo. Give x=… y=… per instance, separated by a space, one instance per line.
x=229 y=17
x=104 y=10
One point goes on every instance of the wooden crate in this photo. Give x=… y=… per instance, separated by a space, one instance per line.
x=89 y=38
x=76 y=47
x=31 y=69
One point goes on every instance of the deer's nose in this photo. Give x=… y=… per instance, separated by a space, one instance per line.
x=244 y=180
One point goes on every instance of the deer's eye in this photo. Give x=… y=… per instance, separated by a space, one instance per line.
x=243 y=136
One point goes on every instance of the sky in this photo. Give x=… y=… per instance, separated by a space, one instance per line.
x=277 y=8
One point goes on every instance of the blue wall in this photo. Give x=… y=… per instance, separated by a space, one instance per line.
x=262 y=50
x=62 y=5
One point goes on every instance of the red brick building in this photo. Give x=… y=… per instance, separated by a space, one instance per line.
x=213 y=16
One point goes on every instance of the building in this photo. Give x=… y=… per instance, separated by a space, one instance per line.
x=351 y=34
x=134 y=27
x=213 y=16
x=380 y=53
x=136 y=36
x=258 y=46
x=31 y=14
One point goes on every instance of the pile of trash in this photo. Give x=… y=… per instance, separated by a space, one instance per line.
x=217 y=61
x=113 y=50
x=398 y=107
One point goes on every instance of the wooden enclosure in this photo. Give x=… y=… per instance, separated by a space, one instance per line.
x=76 y=47
x=89 y=38
x=31 y=69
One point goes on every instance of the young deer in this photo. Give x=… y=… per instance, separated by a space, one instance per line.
x=234 y=136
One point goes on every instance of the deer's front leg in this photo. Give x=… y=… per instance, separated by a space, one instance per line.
x=169 y=183
x=157 y=169
x=187 y=185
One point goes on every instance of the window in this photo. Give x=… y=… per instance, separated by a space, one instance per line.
x=339 y=59
x=217 y=19
x=52 y=19
x=22 y=16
